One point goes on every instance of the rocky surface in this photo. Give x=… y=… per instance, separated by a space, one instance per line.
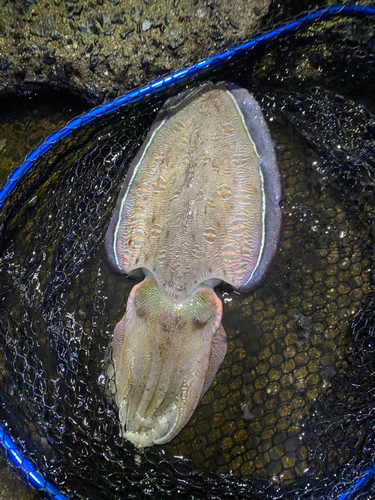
x=101 y=48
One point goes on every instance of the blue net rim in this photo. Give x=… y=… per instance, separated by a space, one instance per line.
x=13 y=453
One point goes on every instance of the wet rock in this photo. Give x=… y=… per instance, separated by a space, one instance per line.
x=118 y=18
x=146 y=25
x=2 y=27
x=217 y=36
x=104 y=19
x=201 y=12
x=234 y=23
x=110 y=46
x=121 y=75
x=94 y=59
x=63 y=73
x=126 y=31
x=146 y=66
x=95 y=28
x=174 y=32
x=4 y=64
x=135 y=14
x=49 y=58
x=107 y=52
x=43 y=28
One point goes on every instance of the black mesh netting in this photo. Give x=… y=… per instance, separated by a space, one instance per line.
x=291 y=413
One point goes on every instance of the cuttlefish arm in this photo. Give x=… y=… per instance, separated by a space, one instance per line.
x=165 y=358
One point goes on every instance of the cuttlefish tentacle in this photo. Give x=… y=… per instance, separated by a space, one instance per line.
x=165 y=356
x=199 y=206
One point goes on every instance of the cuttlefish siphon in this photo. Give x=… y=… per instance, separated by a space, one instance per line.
x=199 y=206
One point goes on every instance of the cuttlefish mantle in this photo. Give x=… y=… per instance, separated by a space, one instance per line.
x=199 y=206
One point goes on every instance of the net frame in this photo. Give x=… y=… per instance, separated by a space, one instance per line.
x=24 y=467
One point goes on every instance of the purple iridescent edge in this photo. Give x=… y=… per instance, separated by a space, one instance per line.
x=13 y=452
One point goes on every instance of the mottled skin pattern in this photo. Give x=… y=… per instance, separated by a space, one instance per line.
x=199 y=206
x=197 y=200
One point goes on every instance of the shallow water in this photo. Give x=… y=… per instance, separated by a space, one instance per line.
x=24 y=123
x=286 y=340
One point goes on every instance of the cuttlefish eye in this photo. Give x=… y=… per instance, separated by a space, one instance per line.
x=204 y=310
x=199 y=206
x=142 y=304
x=201 y=322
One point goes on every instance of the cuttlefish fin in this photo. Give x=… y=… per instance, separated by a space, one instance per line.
x=165 y=358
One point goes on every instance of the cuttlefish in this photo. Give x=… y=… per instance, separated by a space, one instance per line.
x=199 y=206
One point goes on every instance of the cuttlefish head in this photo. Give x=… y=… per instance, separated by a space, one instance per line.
x=165 y=358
